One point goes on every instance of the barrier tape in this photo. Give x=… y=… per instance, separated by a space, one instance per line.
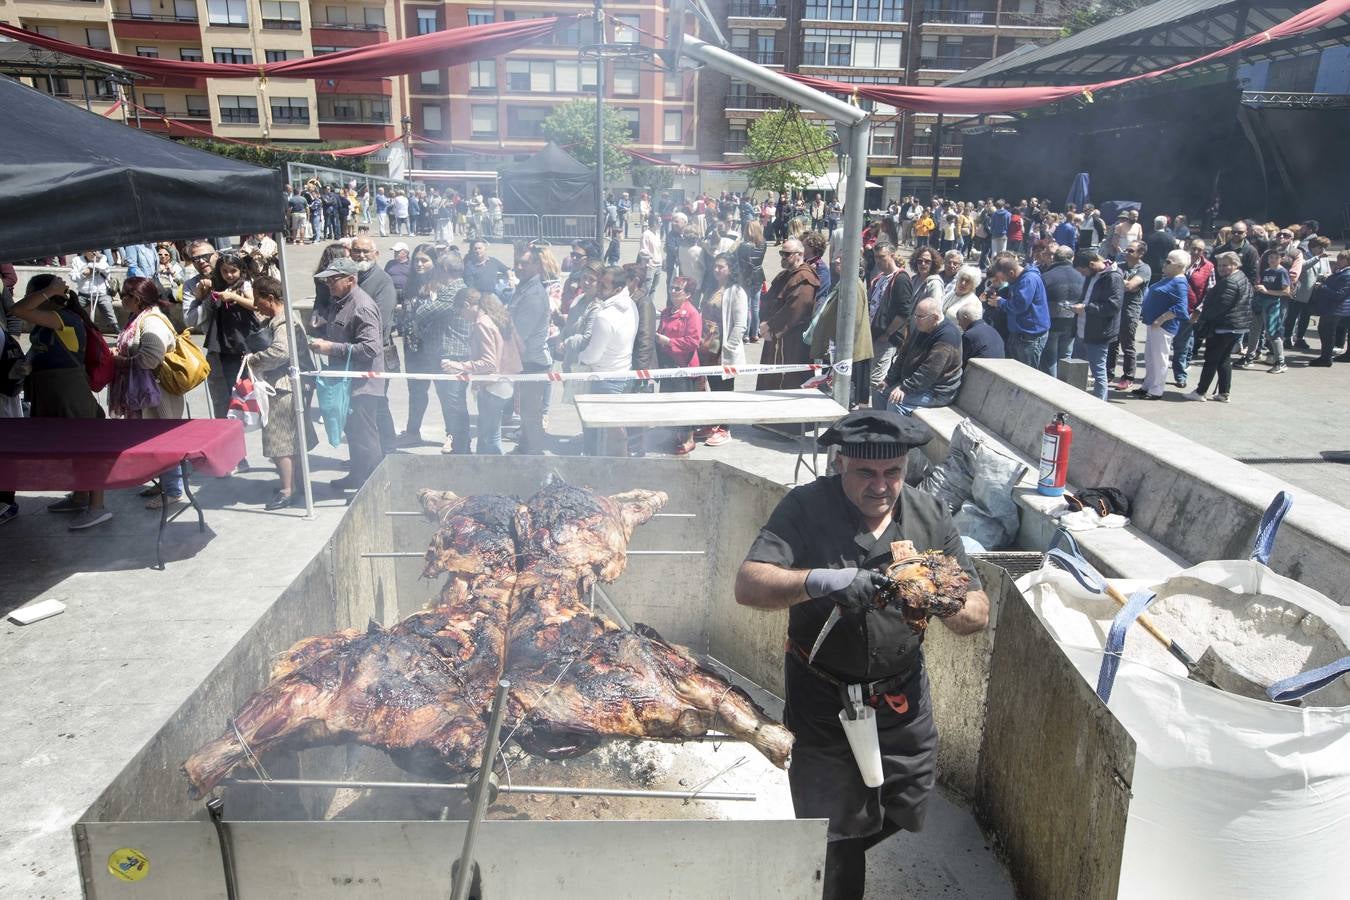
x=820 y=370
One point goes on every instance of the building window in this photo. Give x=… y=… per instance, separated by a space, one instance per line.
x=634 y=119
x=483 y=121
x=232 y=55
x=672 y=130
x=627 y=80
x=375 y=17
x=198 y=107
x=190 y=54
x=529 y=76
x=883 y=140
x=141 y=9
x=868 y=11
x=283 y=55
x=817 y=9
x=236 y=110
x=97 y=38
x=155 y=103
x=290 y=111
x=849 y=47
x=524 y=122
x=483 y=74
x=674 y=85
x=365 y=110
x=626 y=29
x=737 y=137
x=148 y=52
x=841 y=10
x=280 y=15
x=431 y=78
x=320 y=50
x=426 y=21
x=337 y=15
x=431 y=119
x=185 y=11
x=480 y=17
x=228 y=12
x=588 y=76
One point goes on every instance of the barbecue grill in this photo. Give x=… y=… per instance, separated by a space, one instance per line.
x=706 y=818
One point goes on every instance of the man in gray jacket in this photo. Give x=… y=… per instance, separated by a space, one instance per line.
x=530 y=316
x=376 y=283
x=354 y=342
x=1063 y=288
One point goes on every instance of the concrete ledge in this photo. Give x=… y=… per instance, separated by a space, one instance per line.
x=1194 y=501
x=1115 y=552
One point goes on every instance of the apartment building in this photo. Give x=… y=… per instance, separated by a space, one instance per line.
x=921 y=42
x=498 y=105
x=230 y=31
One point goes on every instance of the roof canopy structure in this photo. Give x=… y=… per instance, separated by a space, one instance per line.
x=1156 y=36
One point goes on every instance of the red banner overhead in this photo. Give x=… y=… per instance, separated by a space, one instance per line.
x=437 y=50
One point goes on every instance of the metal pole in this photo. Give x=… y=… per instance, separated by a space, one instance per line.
x=297 y=391
x=858 y=137
x=551 y=790
x=481 y=791
x=937 y=154
x=135 y=107
x=599 y=127
x=84 y=88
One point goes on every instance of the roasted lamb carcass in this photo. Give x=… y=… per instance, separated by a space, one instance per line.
x=384 y=689
x=584 y=529
x=926 y=584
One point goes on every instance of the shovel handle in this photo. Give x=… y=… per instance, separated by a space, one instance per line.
x=1172 y=646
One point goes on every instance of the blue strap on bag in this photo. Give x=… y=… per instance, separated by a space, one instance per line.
x=335 y=402
x=1115 y=640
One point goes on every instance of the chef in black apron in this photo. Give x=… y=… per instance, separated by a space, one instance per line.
x=823 y=548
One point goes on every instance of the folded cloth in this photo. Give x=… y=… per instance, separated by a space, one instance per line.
x=1087 y=519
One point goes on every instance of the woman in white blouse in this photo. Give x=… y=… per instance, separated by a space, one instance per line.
x=962 y=288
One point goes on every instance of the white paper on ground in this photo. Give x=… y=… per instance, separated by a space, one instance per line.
x=36 y=612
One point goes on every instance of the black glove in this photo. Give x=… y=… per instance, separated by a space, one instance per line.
x=853 y=590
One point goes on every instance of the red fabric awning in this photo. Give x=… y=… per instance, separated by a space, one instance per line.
x=438 y=50
x=975 y=100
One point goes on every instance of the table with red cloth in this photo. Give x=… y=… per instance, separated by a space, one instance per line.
x=104 y=454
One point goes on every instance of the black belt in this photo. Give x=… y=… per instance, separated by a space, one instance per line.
x=875 y=688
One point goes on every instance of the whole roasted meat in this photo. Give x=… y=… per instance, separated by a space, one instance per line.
x=926 y=584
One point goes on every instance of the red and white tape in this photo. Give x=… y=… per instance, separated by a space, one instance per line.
x=820 y=369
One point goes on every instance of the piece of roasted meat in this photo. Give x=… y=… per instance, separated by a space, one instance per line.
x=926 y=584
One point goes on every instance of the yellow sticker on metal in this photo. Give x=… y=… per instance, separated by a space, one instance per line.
x=127 y=864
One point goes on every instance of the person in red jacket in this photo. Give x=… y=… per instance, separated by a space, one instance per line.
x=1199 y=279
x=1017 y=232
x=677 y=339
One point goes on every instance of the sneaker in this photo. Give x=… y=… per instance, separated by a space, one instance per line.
x=410 y=439
x=151 y=490
x=1180 y=381
x=1344 y=357
x=1321 y=362
x=1139 y=392
x=719 y=437
x=1278 y=368
x=1195 y=395
x=702 y=434
x=67 y=504
x=89 y=518
x=1243 y=363
x=9 y=513
x=279 y=501
x=1124 y=384
x=1221 y=398
x=159 y=501
x=1302 y=345
x=448 y=447
x=1153 y=396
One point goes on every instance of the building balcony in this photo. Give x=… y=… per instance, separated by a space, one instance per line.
x=155 y=28
x=922 y=150
x=967 y=21
x=348 y=26
x=229 y=116
x=341 y=117
x=355 y=86
x=761 y=57
x=756 y=9
x=952 y=63
x=281 y=25
x=754 y=101
x=344 y=37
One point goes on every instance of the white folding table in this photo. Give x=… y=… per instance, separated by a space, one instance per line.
x=719 y=407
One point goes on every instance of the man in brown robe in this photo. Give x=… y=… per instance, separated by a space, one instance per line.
x=785 y=314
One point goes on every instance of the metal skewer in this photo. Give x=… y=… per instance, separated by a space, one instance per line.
x=420 y=554
x=501 y=789
x=481 y=791
x=421 y=515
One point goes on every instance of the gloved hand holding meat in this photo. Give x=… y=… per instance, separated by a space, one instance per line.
x=925 y=584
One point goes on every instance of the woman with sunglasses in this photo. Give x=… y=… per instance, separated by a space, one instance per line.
x=678 y=336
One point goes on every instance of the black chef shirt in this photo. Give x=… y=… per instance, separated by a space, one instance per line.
x=816 y=526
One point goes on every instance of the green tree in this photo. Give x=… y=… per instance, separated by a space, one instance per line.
x=275 y=156
x=781 y=133
x=1088 y=13
x=572 y=127
x=653 y=178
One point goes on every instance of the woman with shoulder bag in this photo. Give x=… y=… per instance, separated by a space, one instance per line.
x=135 y=392
x=280 y=442
x=494 y=351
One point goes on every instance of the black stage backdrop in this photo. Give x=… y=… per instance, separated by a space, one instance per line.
x=1174 y=152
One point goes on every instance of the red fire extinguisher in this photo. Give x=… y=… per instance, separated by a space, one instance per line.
x=1055 y=443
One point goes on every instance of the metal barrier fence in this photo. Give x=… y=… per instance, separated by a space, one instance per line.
x=567 y=227
x=518 y=226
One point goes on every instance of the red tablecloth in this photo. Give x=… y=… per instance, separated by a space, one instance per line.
x=94 y=454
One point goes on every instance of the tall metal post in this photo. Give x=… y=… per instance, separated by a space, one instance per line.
x=406 y=121
x=937 y=155
x=297 y=391
x=600 y=127
x=481 y=792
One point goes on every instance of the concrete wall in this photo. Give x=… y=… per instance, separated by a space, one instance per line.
x=1195 y=501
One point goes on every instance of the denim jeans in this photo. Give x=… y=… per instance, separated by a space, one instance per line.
x=906 y=407
x=752 y=312
x=1182 y=345
x=1124 y=344
x=1025 y=348
x=490 y=412
x=1095 y=356
x=171 y=481
x=1058 y=345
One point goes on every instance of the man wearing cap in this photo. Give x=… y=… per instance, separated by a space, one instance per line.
x=824 y=547
x=354 y=342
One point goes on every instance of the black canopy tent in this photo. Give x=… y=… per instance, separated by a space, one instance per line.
x=71 y=180
x=550 y=183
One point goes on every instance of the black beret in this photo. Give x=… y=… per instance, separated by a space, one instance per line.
x=875 y=434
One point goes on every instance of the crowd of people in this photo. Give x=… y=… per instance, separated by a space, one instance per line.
x=936 y=287
x=323 y=211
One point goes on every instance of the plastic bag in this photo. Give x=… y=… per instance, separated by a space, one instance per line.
x=952 y=481
x=990 y=515
x=1231 y=796
x=248 y=403
x=335 y=403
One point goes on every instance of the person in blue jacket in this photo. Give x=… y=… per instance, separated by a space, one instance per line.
x=1165 y=308
x=1021 y=294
